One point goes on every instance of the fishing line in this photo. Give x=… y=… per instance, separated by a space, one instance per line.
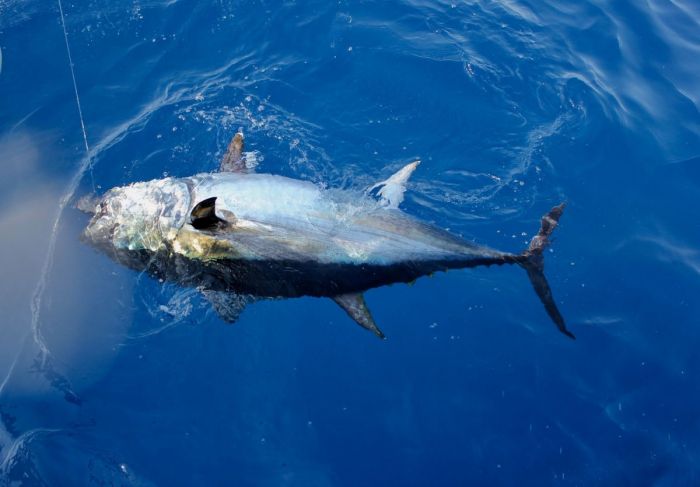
x=38 y=294
x=75 y=84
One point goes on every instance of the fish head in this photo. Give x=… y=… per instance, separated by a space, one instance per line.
x=141 y=216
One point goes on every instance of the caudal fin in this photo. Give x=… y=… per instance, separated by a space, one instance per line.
x=532 y=260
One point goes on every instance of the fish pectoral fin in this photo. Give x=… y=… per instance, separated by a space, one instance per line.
x=203 y=215
x=355 y=306
x=233 y=160
x=391 y=192
x=228 y=306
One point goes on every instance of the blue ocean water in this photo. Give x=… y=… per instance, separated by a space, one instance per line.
x=109 y=377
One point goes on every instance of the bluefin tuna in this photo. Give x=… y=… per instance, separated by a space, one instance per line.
x=238 y=236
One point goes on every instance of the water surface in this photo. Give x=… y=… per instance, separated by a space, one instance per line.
x=110 y=377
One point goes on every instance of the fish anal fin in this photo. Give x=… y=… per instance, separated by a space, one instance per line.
x=203 y=215
x=233 y=159
x=355 y=306
x=228 y=306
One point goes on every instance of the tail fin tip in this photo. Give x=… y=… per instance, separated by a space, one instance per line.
x=547 y=225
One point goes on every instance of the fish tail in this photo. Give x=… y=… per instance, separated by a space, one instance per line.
x=532 y=260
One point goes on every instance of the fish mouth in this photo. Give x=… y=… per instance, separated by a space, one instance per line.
x=88 y=204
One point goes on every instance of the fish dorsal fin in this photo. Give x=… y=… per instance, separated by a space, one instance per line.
x=233 y=159
x=391 y=191
x=355 y=306
x=203 y=215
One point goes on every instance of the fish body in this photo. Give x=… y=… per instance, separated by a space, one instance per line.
x=234 y=233
x=281 y=238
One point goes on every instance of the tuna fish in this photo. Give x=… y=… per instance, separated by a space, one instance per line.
x=238 y=236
